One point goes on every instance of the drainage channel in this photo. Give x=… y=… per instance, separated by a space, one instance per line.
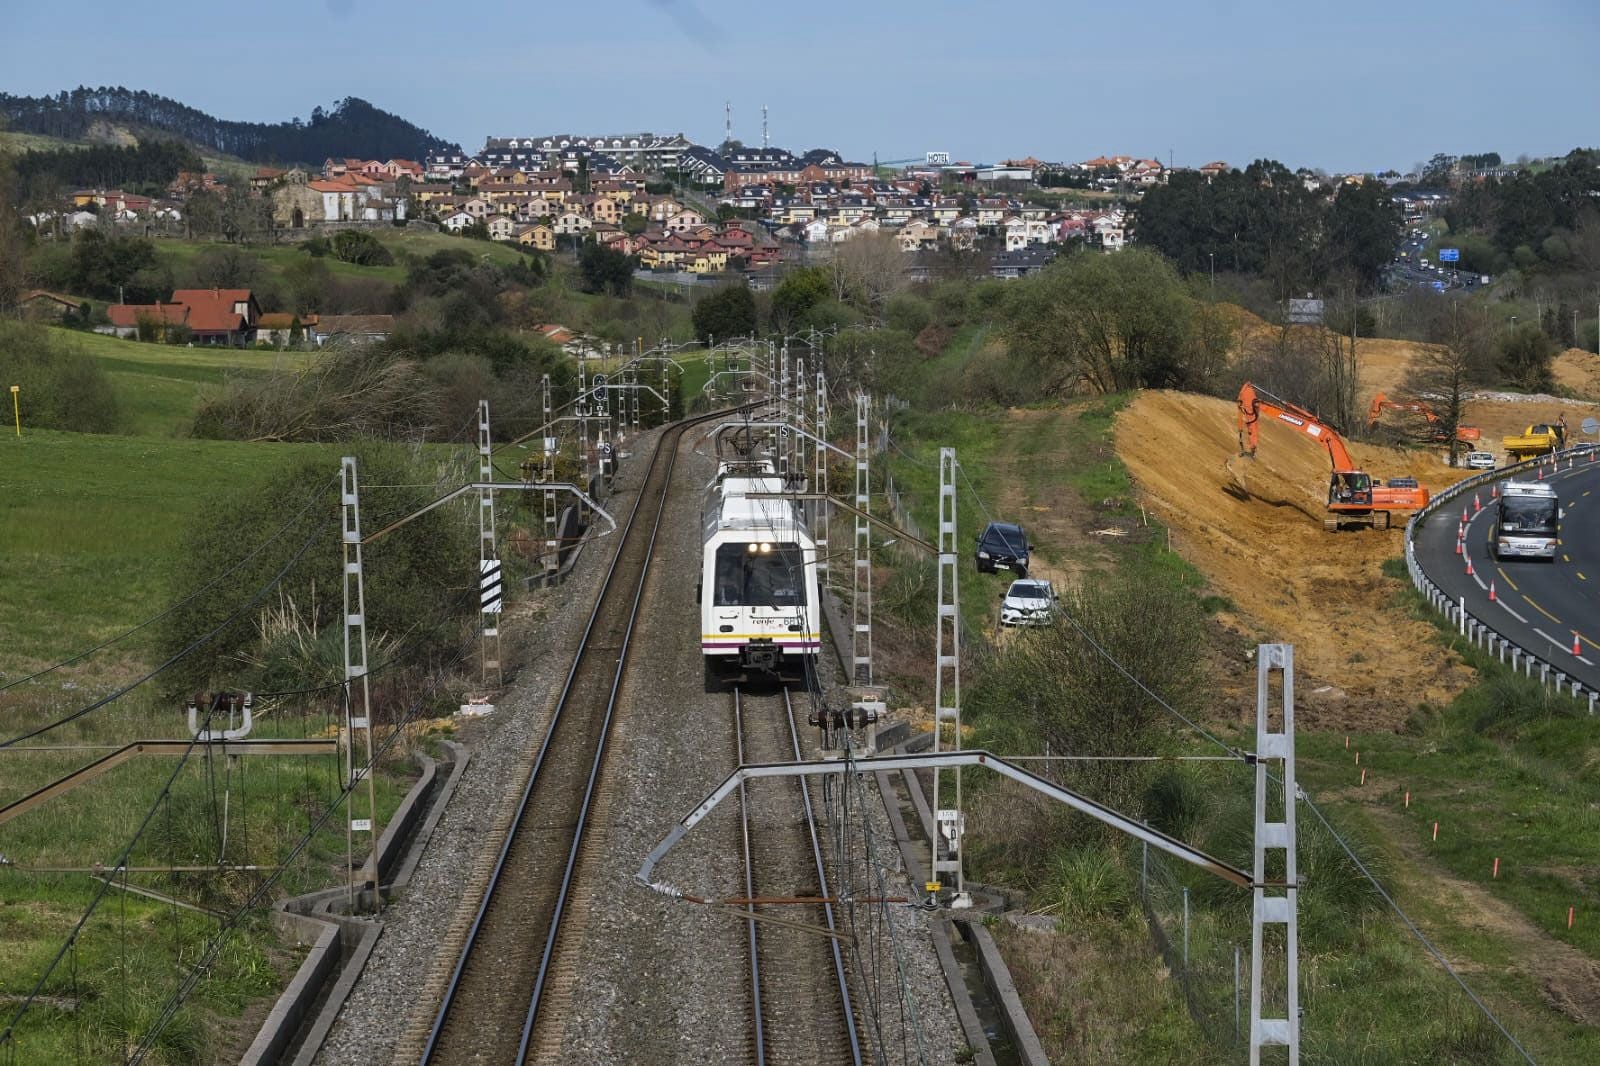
x=990 y=1013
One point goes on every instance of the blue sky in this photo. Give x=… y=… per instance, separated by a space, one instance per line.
x=1347 y=86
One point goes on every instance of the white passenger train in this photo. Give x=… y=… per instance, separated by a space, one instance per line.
x=759 y=610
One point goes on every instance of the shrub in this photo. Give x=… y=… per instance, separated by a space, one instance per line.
x=61 y=387
x=347 y=394
x=361 y=248
x=405 y=572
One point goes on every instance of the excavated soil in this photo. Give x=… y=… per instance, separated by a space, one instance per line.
x=1254 y=528
x=1579 y=371
x=1500 y=414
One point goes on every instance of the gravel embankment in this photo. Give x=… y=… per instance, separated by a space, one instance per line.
x=657 y=980
x=541 y=633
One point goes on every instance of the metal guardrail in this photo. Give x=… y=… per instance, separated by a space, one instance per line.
x=1480 y=633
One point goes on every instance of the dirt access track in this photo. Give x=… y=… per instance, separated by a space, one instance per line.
x=1362 y=661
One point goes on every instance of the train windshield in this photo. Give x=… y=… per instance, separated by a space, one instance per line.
x=760 y=575
x=1531 y=516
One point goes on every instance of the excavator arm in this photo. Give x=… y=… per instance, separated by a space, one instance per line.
x=1381 y=403
x=1255 y=404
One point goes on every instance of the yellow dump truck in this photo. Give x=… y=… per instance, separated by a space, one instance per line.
x=1538 y=439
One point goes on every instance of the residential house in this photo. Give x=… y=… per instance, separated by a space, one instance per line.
x=220 y=316
x=571 y=223
x=537 y=236
x=1016 y=233
x=277 y=328
x=500 y=227
x=41 y=306
x=456 y=221
x=816 y=231
x=351 y=329
x=125 y=320
x=1021 y=262
x=1108 y=232
x=916 y=235
x=686 y=218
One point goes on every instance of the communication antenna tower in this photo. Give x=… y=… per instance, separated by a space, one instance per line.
x=727 y=121
x=763 y=125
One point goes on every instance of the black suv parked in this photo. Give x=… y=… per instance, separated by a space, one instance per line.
x=1003 y=544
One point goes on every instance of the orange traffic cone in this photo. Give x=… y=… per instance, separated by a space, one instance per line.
x=1541 y=473
x=1577 y=646
x=1464 y=514
x=1491 y=592
x=1469 y=566
x=1458 y=545
x=1477 y=504
x=1494 y=491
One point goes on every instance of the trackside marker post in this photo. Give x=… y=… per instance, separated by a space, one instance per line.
x=1436 y=830
x=1408 y=801
x=1496 y=871
x=1570 y=913
x=1363 y=777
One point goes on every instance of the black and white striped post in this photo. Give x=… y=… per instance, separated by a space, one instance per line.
x=489 y=584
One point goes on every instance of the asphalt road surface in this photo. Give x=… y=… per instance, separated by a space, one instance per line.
x=1539 y=605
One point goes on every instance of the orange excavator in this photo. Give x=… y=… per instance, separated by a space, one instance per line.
x=1381 y=403
x=1353 y=497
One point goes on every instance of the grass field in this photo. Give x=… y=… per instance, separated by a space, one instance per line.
x=158 y=384
x=89 y=524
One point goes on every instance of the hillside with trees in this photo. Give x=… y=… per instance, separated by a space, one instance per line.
x=1263 y=220
x=352 y=127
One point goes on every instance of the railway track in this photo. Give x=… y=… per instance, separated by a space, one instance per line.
x=494 y=1007
x=800 y=995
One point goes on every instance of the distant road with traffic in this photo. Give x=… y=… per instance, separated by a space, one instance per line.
x=1539 y=605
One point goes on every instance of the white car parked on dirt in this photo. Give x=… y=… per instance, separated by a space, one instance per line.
x=1480 y=461
x=1028 y=602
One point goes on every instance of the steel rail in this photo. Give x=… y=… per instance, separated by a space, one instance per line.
x=667 y=447
x=669 y=440
x=822 y=883
x=840 y=977
x=749 y=887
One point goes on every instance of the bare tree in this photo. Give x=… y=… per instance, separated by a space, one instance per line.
x=1459 y=359
x=867 y=269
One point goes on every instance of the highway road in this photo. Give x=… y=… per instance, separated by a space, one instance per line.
x=1539 y=605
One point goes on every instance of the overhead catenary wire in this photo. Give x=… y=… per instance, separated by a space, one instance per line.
x=104 y=886
x=204 y=960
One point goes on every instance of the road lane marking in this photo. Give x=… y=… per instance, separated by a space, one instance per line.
x=1512 y=613
x=1542 y=611
x=1503 y=577
x=1581 y=577
x=1566 y=558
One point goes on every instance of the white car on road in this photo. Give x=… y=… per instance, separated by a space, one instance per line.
x=1028 y=602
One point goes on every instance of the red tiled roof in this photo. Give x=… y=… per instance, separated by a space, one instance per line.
x=276 y=320
x=127 y=316
x=211 y=310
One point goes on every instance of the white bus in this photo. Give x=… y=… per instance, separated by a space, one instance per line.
x=1527 y=522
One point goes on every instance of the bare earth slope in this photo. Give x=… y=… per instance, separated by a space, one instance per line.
x=1363 y=661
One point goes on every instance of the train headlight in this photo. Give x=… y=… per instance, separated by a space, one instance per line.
x=766 y=549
